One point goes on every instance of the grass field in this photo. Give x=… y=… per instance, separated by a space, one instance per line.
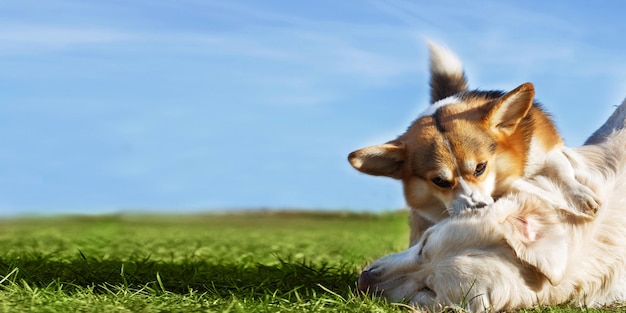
x=256 y=262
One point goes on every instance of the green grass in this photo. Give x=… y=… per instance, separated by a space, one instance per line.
x=261 y=262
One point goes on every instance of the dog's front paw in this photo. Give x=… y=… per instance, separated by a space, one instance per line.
x=584 y=199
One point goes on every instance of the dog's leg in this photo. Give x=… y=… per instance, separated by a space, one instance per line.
x=418 y=225
x=561 y=166
x=552 y=195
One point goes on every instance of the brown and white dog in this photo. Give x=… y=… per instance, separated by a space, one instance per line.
x=469 y=147
x=525 y=249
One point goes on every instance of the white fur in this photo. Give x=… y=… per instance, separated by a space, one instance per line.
x=472 y=196
x=444 y=61
x=536 y=158
x=529 y=248
x=559 y=163
x=430 y=111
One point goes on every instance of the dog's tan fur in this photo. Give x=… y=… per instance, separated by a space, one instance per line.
x=468 y=148
x=527 y=248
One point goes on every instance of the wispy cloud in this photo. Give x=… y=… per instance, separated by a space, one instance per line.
x=30 y=38
x=505 y=32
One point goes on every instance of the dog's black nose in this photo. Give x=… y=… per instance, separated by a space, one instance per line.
x=365 y=281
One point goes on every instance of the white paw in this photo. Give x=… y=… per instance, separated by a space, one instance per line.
x=584 y=199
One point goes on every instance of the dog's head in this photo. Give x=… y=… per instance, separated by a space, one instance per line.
x=499 y=258
x=461 y=149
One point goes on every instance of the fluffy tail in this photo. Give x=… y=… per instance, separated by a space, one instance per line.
x=616 y=122
x=446 y=73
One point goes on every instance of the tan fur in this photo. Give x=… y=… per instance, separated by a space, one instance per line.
x=437 y=159
x=529 y=248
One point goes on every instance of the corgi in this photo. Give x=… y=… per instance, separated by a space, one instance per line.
x=470 y=147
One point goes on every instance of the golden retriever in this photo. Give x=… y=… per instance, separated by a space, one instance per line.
x=528 y=248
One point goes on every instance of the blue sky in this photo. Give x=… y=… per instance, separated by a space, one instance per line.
x=172 y=106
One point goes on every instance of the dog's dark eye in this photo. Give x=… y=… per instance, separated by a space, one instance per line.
x=480 y=169
x=441 y=182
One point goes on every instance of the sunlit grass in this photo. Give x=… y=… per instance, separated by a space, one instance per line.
x=258 y=262
x=224 y=263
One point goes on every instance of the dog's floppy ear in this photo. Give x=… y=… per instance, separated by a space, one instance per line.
x=538 y=238
x=506 y=113
x=446 y=73
x=380 y=160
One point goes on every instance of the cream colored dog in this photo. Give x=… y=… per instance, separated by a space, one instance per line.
x=529 y=248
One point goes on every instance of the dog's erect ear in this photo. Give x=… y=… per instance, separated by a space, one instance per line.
x=446 y=73
x=380 y=160
x=538 y=238
x=506 y=113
